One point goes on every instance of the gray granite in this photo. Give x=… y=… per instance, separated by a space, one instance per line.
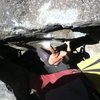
x=5 y=94
x=36 y=14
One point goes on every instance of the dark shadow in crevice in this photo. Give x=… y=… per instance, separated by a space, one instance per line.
x=15 y=77
x=15 y=70
x=93 y=31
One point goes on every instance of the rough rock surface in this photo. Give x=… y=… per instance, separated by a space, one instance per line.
x=36 y=14
x=33 y=14
x=5 y=94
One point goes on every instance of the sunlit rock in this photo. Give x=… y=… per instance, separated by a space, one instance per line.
x=6 y=94
x=36 y=14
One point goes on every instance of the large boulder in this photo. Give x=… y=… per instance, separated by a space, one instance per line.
x=36 y=14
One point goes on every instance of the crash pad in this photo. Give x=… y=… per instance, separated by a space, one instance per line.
x=91 y=68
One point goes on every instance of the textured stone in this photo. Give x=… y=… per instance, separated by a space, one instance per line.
x=36 y=14
x=5 y=94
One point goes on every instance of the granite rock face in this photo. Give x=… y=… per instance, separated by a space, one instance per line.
x=36 y=14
